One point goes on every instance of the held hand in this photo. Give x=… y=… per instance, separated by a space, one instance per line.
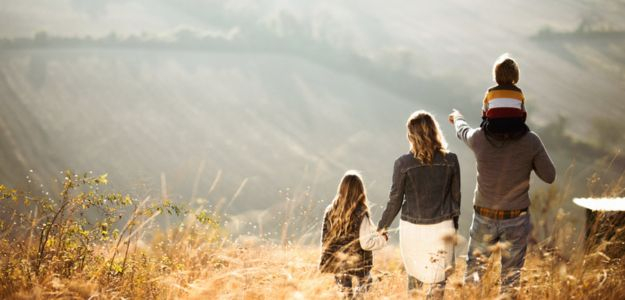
x=454 y=115
x=383 y=233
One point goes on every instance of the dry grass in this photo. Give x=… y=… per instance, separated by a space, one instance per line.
x=196 y=261
x=256 y=271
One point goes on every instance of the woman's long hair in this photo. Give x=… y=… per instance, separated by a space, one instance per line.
x=425 y=137
x=351 y=198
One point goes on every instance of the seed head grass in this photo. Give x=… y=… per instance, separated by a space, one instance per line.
x=87 y=244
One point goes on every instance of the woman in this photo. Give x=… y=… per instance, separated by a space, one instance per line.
x=426 y=188
x=348 y=237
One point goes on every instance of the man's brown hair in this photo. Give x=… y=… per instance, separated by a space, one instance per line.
x=506 y=70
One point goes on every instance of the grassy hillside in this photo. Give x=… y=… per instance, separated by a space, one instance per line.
x=89 y=242
x=258 y=108
x=272 y=272
x=224 y=127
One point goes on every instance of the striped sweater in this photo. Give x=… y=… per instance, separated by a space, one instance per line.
x=504 y=101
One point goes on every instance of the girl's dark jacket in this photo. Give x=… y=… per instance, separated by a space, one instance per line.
x=343 y=254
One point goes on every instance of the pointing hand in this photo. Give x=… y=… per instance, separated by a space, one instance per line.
x=454 y=115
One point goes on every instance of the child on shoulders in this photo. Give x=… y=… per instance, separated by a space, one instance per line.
x=503 y=107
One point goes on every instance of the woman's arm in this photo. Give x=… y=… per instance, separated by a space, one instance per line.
x=396 y=197
x=455 y=188
x=369 y=238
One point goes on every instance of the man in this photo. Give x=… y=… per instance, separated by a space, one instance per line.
x=506 y=154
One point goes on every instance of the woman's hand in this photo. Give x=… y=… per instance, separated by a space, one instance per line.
x=384 y=234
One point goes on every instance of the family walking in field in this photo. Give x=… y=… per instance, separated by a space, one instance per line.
x=426 y=189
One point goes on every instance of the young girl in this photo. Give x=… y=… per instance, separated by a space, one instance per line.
x=348 y=237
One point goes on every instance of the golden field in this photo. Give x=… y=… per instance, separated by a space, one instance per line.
x=87 y=244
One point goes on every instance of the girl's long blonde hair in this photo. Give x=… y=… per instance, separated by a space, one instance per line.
x=425 y=136
x=350 y=198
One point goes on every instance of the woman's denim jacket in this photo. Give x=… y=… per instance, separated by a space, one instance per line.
x=426 y=194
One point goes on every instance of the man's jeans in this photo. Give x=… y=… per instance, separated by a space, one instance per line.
x=485 y=233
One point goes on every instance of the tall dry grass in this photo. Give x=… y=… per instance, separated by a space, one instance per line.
x=81 y=258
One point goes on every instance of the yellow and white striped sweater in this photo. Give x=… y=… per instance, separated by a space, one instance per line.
x=504 y=101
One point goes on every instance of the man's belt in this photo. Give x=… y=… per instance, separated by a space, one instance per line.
x=499 y=214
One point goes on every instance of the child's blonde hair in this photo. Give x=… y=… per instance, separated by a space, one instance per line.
x=505 y=70
x=351 y=197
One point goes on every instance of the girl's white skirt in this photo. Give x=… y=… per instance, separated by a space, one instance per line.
x=427 y=249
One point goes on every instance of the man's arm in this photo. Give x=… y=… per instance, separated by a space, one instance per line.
x=463 y=130
x=542 y=164
x=396 y=197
